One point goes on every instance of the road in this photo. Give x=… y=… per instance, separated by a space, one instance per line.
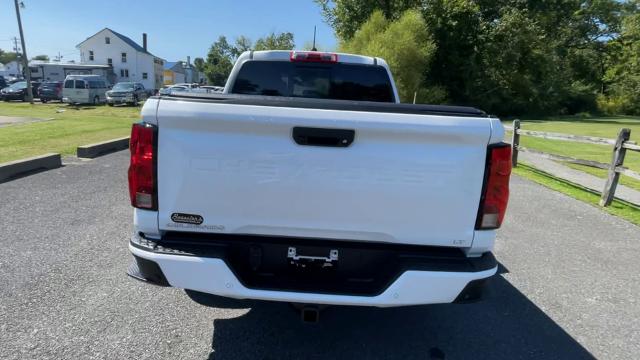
x=568 y=289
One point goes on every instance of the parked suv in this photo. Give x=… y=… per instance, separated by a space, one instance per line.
x=50 y=90
x=84 y=89
x=126 y=93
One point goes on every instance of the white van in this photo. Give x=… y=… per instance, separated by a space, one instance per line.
x=85 y=89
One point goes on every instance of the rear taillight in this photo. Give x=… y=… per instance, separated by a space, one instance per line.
x=312 y=56
x=495 y=194
x=142 y=168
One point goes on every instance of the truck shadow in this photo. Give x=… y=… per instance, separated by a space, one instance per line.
x=506 y=325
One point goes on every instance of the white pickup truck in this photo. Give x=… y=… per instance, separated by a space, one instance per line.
x=307 y=182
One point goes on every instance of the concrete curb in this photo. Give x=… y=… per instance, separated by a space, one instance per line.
x=11 y=169
x=93 y=150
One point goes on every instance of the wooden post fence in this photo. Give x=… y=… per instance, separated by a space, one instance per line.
x=515 y=141
x=619 y=151
x=616 y=167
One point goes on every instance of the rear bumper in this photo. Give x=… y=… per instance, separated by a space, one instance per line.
x=427 y=281
x=13 y=96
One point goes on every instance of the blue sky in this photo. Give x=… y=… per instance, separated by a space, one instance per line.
x=175 y=28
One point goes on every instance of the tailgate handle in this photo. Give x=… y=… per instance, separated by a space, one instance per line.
x=323 y=137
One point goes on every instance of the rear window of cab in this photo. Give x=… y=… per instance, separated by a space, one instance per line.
x=337 y=81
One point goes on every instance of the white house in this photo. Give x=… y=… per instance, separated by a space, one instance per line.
x=130 y=61
x=10 y=69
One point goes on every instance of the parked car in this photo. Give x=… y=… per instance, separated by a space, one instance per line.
x=212 y=89
x=3 y=83
x=50 y=90
x=308 y=182
x=85 y=89
x=168 y=89
x=18 y=91
x=127 y=93
x=190 y=86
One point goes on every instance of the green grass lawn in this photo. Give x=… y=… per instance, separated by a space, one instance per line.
x=618 y=208
x=66 y=131
x=606 y=127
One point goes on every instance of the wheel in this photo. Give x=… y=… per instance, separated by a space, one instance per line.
x=110 y=104
x=135 y=100
x=44 y=101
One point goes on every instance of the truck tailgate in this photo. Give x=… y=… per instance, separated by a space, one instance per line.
x=406 y=178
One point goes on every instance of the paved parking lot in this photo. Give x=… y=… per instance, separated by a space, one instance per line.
x=568 y=289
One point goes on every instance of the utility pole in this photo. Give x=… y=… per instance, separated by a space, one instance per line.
x=17 y=52
x=25 y=60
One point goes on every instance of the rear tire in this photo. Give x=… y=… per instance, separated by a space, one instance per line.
x=44 y=101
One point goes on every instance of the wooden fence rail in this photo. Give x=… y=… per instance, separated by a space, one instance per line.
x=616 y=167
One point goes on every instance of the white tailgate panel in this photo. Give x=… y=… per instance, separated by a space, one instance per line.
x=406 y=178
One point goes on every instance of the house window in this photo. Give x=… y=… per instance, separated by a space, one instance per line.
x=121 y=72
x=145 y=76
x=110 y=61
x=107 y=40
x=90 y=55
x=126 y=72
x=124 y=57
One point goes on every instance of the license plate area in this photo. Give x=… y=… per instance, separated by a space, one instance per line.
x=358 y=268
x=298 y=260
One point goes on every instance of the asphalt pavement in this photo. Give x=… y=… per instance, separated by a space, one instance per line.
x=568 y=289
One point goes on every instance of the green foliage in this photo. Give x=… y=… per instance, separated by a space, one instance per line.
x=273 y=41
x=222 y=55
x=41 y=57
x=7 y=57
x=512 y=57
x=403 y=43
x=218 y=64
x=624 y=72
x=199 y=64
x=65 y=131
x=347 y=16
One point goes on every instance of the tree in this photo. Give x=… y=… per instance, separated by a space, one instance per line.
x=347 y=16
x=7 y=57
x=41 y=57
x=508 y=57
x=242 y=44
x=218 y=64
x=623 y=75
x=404 y=44
x=273 y=41
x=199 y=64
x=222 y=55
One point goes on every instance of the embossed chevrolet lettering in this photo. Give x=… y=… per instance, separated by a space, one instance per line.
x=187 y=218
